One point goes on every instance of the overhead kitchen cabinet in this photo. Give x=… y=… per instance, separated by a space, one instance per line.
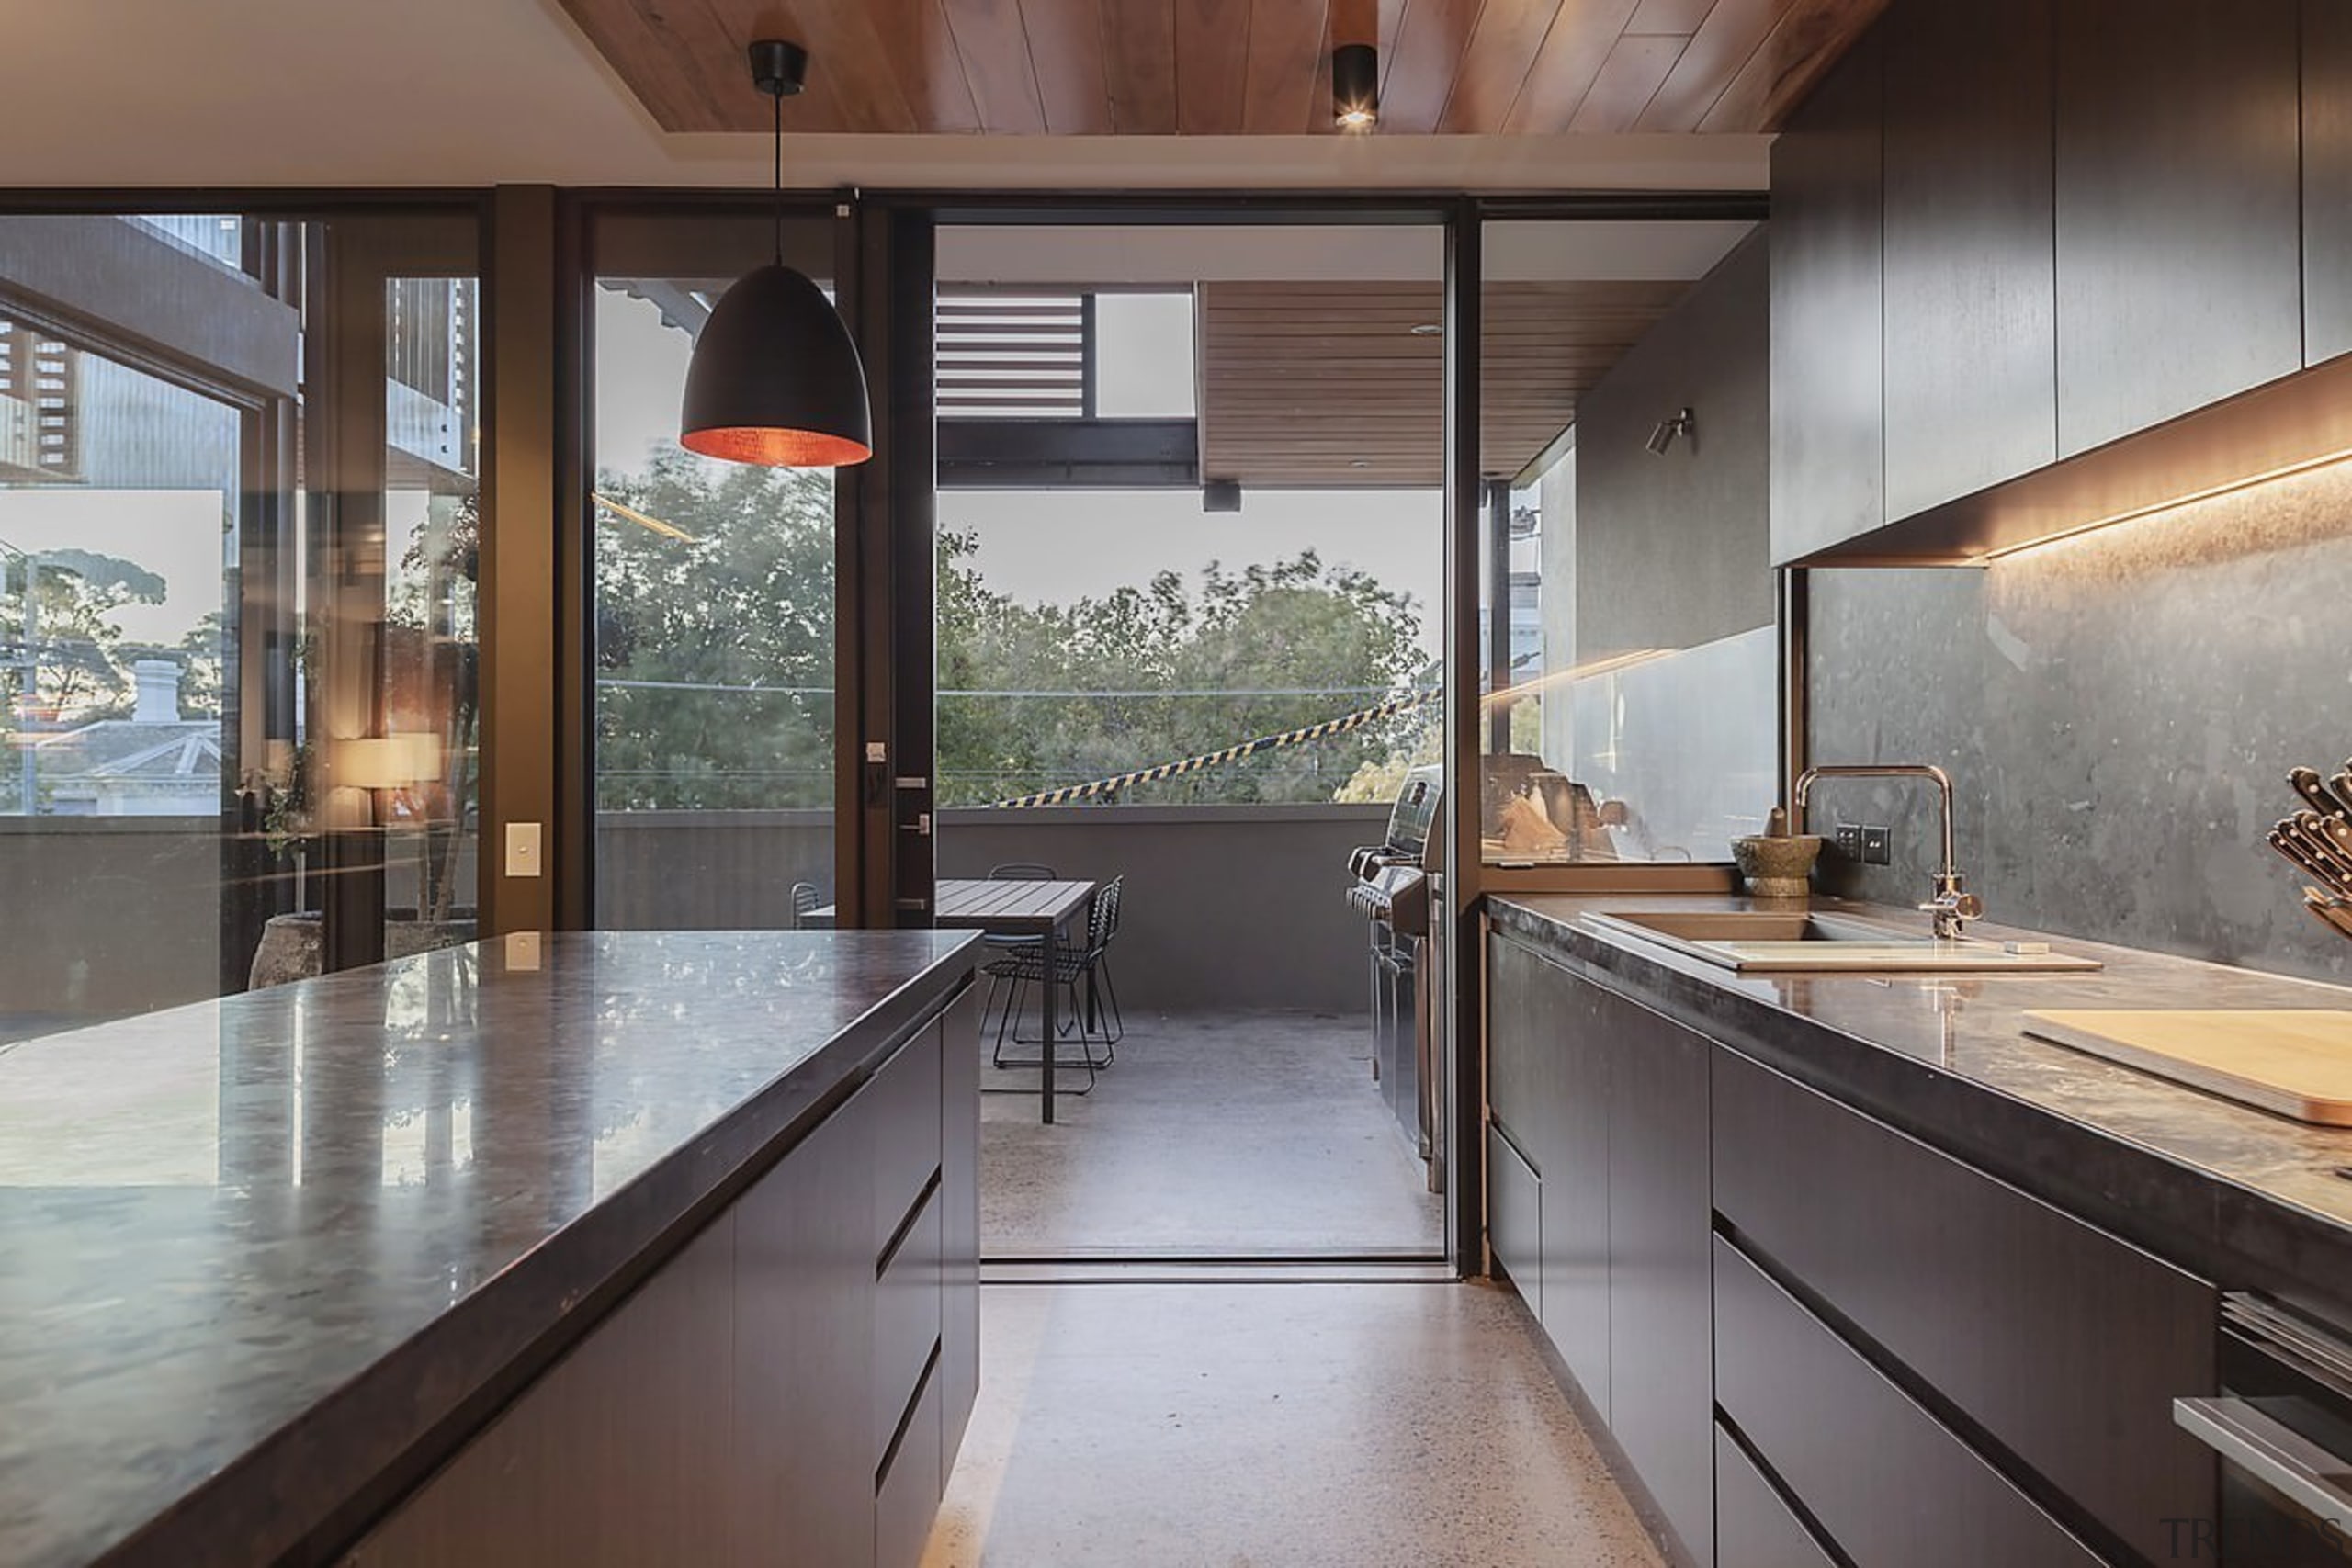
x=2179 y=200
x=1828 y=388
x=2327 y=179
x=1971 y=391
x=2099 y=241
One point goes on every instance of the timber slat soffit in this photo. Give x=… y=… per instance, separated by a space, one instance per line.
x=1230 y=67
x=1324 y=384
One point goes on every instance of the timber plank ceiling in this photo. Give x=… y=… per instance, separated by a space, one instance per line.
x=1224 y=67
x=1331 y=386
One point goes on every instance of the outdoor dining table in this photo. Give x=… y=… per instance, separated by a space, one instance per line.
x=1016 y=908
x=1010 y=906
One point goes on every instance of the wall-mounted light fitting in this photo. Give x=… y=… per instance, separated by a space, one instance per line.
x=1355 y=86
x=775 y=378
x=1683 y=424
x=1221 y=495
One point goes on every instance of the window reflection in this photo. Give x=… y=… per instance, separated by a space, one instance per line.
x=238 y=536
x=1628 y=608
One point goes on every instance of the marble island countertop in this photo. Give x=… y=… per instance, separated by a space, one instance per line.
x=254 y=1253
x=2250 y=1199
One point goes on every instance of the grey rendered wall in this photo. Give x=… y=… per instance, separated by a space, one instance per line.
x=104 y=917
x=1224 y=907
x=2119 y=711
x=1674 y=550
x=1239 y=907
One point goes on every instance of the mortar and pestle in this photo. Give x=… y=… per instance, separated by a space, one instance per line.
x=1778 y=864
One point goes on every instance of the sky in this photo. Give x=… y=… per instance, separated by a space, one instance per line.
x=176 y=533
x=1057 y=545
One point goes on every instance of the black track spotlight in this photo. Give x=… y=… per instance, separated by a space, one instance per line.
x=1684 y=424
x=1355 y=86
x=775 y=378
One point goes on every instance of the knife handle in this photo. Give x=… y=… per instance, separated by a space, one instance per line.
x=2328 y=912
x=2303 y=830
x=2340 y=786
x=2305 y=861
x=2314 y=789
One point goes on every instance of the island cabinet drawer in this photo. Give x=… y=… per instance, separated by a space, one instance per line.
x=1754 y=1529
x=900 y=1106
x=610 y=1458
x=1515 y=1218
x=906 y=1318
x=2064 y=1345
x=912 y=1479
x=1893 y=1487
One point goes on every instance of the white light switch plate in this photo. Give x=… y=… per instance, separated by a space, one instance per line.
x=522 y=849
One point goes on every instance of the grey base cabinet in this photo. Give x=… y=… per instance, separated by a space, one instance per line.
x=788 y=1388
x=2062 y=1344
x=1754 y=1526
x=1660 y=1321
x=1815 y=1339
x=1607 y=1103
x=1888 y=1483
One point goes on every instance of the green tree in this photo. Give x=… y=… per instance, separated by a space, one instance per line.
x=1196 y=667
x=84 y=676
x=715 y=654
x=714 y=651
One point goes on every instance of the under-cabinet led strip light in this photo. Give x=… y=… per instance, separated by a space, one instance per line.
x=2231 y=487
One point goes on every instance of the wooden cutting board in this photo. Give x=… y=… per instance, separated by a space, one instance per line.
x=2297 y=1062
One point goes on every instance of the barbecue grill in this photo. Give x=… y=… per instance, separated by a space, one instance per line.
x=1390 y=886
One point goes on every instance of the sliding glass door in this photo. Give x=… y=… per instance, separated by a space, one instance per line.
x=714 y=623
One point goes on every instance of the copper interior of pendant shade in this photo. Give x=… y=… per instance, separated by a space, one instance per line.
x=777 y=448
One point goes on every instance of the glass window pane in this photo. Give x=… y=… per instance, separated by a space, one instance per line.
x=191 y=721
x=714 y=660
x=1143 y=356
x=1630 y=668
x=431 y=698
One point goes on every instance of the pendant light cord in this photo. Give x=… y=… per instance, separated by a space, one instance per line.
x=779 y=179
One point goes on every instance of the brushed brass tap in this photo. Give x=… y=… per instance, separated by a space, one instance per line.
x=1950 y=909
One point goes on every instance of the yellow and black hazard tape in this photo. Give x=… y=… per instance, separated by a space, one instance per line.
x=1322 y=731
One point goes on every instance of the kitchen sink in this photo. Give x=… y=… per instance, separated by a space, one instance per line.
x=1765 y=940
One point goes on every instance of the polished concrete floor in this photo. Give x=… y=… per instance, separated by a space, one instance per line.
x=1212 y=1134
x=1273 y=1426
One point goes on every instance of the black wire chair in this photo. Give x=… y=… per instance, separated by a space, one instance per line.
x=1018 y=871
x=1011 y=871
x=1094 y=1014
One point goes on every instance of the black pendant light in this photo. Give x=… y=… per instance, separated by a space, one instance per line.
x=775 y=378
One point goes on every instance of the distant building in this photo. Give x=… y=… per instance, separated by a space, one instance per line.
x=154 y=763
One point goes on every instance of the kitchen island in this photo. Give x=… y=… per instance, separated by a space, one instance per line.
x=1847 y=1267
x=589 y=1247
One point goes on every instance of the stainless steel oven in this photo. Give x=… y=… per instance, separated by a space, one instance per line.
x=2283 y=1429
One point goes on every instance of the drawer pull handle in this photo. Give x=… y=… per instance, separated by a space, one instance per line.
x=2272 y=1450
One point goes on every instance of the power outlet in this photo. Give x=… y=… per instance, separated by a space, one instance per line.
x=1878 y=847
x=1850 y=839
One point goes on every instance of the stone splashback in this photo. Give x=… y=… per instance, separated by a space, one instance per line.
x=2119 y=711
